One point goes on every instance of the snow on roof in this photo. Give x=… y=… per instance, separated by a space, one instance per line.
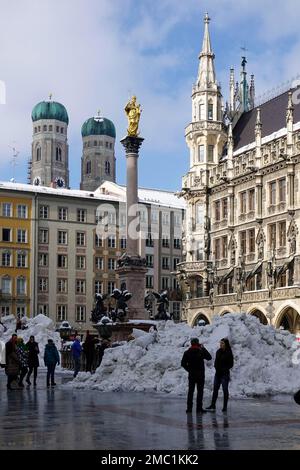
x=55 y=191
x=146 y=195
x=107 y=191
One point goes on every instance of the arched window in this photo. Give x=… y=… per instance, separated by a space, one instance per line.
x=210 y=112
x=107 y=168
x=38 y=154
x=88 y=168
x=58 y=154
x=201 y=112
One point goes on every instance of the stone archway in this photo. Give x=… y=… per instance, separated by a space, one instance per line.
x=260 y=315
x=200 y=317
x=225 y=313
x=289 y=319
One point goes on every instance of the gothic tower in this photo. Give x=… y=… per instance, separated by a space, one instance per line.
x=205 y=137
x=98 y=161
x=50 y=150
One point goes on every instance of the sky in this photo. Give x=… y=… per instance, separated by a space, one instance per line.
x=95 y=54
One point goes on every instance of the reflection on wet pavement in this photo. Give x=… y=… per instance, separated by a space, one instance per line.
x=58 y=418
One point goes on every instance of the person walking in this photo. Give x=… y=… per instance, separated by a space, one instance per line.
x=51 y=358
x=12 y=364
x=22 y=353
x=89 y=351
x=193 y=362
x=33 y=360
x=223 y=364
x=76 y=353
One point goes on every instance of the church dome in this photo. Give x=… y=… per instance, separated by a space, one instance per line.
x=98 y=126
x=50 y=110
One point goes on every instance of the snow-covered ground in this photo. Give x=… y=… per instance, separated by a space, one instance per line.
x=41 y=327
x=263 y=359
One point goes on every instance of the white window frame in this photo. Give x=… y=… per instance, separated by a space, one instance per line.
x=44 y=212
x=21 y=235
x=6 y=209
x=22 y=211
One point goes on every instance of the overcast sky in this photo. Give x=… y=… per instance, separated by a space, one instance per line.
x=94 y=54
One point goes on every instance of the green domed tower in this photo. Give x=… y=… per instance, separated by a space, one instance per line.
x=98 y=161
x=50 y=150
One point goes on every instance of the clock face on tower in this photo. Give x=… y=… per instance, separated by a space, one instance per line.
x=60 y=182
x=37 y=181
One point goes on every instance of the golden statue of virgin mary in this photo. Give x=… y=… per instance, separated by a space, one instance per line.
x=133 y=111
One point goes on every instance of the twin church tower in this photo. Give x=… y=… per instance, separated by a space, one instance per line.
x=49 y=165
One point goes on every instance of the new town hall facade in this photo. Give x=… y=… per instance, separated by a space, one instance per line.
x=241 y=240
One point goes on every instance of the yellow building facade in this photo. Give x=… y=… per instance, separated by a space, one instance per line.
x=15 y=254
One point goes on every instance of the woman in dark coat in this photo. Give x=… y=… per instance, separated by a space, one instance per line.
x=33 y=360
x=223 y=364
x=12 y=366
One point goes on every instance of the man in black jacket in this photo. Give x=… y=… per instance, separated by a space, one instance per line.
x=193 y=362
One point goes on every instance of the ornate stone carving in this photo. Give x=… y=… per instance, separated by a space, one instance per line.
x=132 y=144
x=131 y=261
x=232 y=248
x=292 y=236
x=260 y=241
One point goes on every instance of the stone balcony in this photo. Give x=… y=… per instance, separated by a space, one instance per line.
x=205 y=126
x=192 y=266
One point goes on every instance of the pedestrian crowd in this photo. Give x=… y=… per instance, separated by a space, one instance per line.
x=22 y=360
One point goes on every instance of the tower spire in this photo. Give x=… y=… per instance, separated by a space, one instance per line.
x=206 y=75
x=232 y=91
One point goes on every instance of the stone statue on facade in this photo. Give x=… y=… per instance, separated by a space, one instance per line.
x=261 y=248
x=271 y=274
x=207 y=236
x=240 y=277
x=212 y=280
x=293 y=244
x=260 y=244
x=133 y=111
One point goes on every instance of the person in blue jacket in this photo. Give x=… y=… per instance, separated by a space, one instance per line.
x=76 y=353
x=51 y=358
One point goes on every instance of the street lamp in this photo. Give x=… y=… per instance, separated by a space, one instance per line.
x=271 y=274
x=65 y=330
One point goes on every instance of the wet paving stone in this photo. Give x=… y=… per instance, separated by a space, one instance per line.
x=59 y=418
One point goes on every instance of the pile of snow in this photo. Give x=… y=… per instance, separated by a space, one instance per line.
x=152 y=361
x=41 y=327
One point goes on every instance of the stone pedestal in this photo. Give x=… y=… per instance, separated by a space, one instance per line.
x=131 y=267
x=132 y=274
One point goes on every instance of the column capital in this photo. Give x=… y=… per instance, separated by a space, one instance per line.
x=132 y=144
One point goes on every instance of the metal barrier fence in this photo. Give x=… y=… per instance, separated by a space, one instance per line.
x=67 y=361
